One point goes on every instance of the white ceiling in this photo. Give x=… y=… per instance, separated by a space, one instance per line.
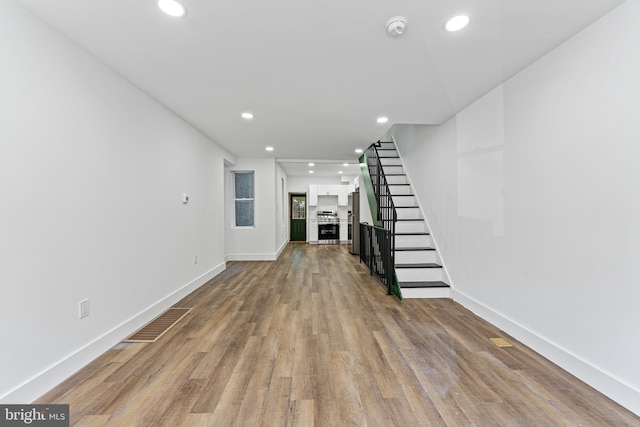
x=321 y=167
x=316 y=74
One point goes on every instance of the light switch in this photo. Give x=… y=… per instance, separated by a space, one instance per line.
x=185 y=199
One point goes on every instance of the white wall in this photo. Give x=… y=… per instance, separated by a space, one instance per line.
x=259 y=242
x=532 y=195
x=91 y=177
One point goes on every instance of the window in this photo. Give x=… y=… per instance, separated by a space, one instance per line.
x=298 y=208
x=243 y=190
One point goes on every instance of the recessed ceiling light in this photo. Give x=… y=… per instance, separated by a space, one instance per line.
x=247 y=116
x=340 y=172
x=345 y=164
x=172 y=8
x=269 y=148
x=457 y=23
x=312 y=164
x=358 y=150
x=310 y=171
x=382 y=119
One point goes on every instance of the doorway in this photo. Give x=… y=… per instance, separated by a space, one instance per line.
x=298 y=217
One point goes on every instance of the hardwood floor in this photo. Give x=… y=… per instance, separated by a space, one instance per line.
x=313 y=340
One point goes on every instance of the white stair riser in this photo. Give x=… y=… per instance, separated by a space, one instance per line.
x=411 y=227
x=387 y=153
x=414 y=241
x=393 y=169
x=387 y=145
x=408 y=293
x=419 y=274
x=399 y=189
x=399 y=200
x=390 y=161
x=408 y=213
x=421 y=257
x=397 y=179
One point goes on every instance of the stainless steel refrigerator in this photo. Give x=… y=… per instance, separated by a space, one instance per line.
x=354 y=243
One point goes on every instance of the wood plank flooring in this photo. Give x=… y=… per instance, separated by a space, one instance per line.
x=313 y=340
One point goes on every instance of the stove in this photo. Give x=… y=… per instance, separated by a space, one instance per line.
x=328 y=227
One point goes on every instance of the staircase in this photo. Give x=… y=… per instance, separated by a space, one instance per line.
x=417 y=263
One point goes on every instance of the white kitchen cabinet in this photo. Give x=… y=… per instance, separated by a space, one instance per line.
x=343 y=199
x=313 y=231
x=313 y=195
x=344 y=230
x=351 y=188
x=326 y=190
x=341 y=191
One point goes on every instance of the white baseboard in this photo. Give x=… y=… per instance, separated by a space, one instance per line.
x=252 y=257
x=612 y=387
x=258 y=257
x=44 y=381
x=282 y=248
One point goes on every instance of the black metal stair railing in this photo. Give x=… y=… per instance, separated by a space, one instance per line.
x=386 y=209
x=377 y=243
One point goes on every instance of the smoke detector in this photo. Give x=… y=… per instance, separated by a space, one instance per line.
x=396 y=26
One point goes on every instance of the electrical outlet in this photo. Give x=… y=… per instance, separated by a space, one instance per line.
x=195 y=259
x=84 y=308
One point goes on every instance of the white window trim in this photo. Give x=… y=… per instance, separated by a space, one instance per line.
x=253 y=199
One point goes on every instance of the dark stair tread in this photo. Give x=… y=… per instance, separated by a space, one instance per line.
x=437 y=284
x=423 y=265
x=398 y=184
x=395 y=174
x=410 y=219
x=405 y=207
x=410 y=233
x=414 y=249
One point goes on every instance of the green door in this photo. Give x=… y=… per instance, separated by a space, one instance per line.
x=298 y=203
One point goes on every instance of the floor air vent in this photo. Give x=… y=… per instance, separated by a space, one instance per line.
x=501 y=342
x=158 y=326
